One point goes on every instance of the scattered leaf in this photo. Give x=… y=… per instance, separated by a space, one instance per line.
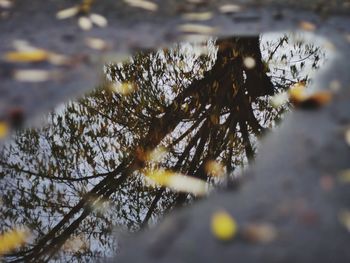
x=12 y=240
x=96 y=43
x=344 y=218
x=197 y=28
x=35 y=55
x=68 y=12
x=298 y=96
x=307 y=26
x=144 y=4
x=32 y=75
x=259 y=233
x=99 y=20
x=223 y=226
x=203 y=16
x=177 y=182
x=85 y=23
x=4 y=129
x=230 y=8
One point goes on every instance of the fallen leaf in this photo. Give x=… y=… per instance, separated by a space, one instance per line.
x=12 y=240
x=259 y=233
x=99 y=20
x=299 y=97
x=307 y=26
x=230 y=8
x=32 y=75
x=203 y=16
x=35 y=55
x=4 y=129
x=85 y=23
x=68 y=12
x=223 y=226
x=197 y=28
x=177 y=182
x=144 y=4
x=96 y=43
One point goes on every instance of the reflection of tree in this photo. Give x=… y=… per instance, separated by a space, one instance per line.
x=82 y=174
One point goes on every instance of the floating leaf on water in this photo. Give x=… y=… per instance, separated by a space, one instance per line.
x=68 y=12
x=35 y=55
x=4 y=129
x=344 y=218
x=260 y=233
x=32 y=75
x=13 y=239
x=214 y=168
x=223 y=226
x=85 y=23
x=198 y=16
x=230 y=8
x=96 y=43
x=249 y=62
x=307 y=26
x=344 y=176
x=177 y=182
x=144 y=4
x=197 y=28
x=99 y=20
x=124 y=88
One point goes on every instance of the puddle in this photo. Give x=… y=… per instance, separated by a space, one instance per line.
x=193 y=109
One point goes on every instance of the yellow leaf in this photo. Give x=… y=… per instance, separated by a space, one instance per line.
x=12 y=240
x=36 y=55
x=197 y=28
x=223 y=226
x=4 y=129
x=177 y=182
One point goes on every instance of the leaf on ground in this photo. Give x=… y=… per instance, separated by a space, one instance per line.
x=4 y=129
x=259 y=233
x=223 y=226
x=13 y=239
x=177 y=182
